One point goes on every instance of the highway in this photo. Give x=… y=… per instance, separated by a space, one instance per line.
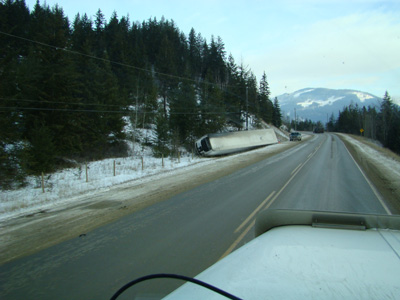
x=188 y=232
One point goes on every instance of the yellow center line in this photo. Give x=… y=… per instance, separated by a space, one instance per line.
x=295 y=169
x=254 y=212
x=241 y=236
x=290 y=179
x=251 y=225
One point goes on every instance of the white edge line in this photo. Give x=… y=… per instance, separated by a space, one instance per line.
x=377 y=194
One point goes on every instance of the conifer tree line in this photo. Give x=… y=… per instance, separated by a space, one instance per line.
x=67 y=87
x=305 y=125
x=382 y=124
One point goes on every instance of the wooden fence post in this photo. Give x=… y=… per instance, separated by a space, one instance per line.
x=86 y=170
x=114 y=167
x=142 y=164
x=162 y=160
x=42 y=182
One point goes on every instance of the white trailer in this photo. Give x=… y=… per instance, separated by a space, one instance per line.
x=230 y=142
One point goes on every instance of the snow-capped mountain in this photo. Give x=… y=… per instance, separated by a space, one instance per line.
x=317 y=104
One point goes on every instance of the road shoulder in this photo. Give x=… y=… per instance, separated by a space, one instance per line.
x=31 y=233
x=376 y=172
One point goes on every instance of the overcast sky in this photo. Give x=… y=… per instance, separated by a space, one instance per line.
x=341 y=44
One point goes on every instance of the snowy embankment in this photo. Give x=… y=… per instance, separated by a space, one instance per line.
x=66 y=187
x=381 y=165
x=389 y=165
x=63 y=186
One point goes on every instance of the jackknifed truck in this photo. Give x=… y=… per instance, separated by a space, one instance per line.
x=215 y=144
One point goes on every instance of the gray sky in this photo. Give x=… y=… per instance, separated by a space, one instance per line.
x=341 y=44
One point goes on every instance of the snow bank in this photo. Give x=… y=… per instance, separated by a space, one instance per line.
x=67 y=186
x=390 y=165
x=61 y=187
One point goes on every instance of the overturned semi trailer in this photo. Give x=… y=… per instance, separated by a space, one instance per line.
x=230 y=142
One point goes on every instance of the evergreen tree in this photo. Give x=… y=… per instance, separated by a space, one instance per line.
x=65 y=93
x=382 y=125
x=343 y=120
x=232 y=95
x=370 y=126
x=195 y=54
x=386 y=116
x=394 y=131
x=216 y=60
x=161 y=142
x=184 y=113
x=47 y=77
x=116 y=33
x=237 y=95
x=212 y=109
x=276 y=115
x=99 y=25
x=330 y=126
x=264 y=103
x=167 y=71
x=41 y=149
x=14 y=19
x=106 y=125
x=251 y=97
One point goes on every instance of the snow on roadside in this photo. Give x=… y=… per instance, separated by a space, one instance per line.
x=67 y=186
x=64 y=186
x=390 y=165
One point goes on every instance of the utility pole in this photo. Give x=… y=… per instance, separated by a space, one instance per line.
x=136 y=108
x=327 y=121
x=247 y=108
x=295 y=120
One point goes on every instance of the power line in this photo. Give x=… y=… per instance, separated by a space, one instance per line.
x=8 y=109
x=78 y=103
x=59 y=102
x=78 y=53
x=104 y=60
x=114 y=62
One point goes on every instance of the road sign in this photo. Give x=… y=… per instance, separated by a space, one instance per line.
x=361 y=130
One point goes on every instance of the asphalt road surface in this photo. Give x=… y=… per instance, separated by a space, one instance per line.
x=191 y=231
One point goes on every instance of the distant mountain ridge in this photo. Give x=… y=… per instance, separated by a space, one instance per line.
x=317 y=104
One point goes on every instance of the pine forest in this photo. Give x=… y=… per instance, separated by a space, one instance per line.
x=67 y=87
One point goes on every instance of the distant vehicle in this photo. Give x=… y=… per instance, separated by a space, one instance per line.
x=230 y=142
x=318 y=130
x=309 y=255
x=295 y=136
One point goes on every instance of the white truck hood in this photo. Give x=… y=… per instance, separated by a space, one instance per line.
x=306 y=262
